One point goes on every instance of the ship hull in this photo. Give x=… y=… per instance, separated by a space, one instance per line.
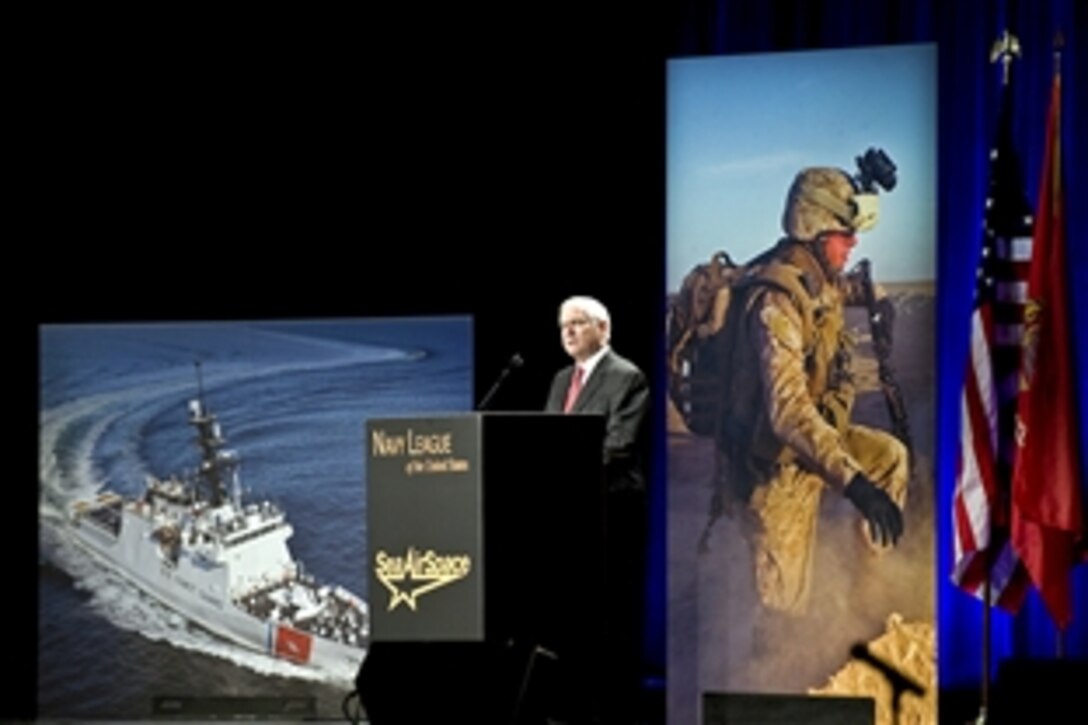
x=197 y=596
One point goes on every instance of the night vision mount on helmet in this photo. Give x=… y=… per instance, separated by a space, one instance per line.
x=828 y=199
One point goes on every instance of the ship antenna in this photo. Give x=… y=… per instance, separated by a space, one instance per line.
x=217 y=465
x=199 y=386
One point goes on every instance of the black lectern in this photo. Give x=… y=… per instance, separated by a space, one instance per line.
x=485 y=565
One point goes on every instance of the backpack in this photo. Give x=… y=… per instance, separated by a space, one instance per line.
x=696 y=316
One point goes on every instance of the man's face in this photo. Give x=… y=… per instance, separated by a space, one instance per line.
x=837 y=246
x=581 y=336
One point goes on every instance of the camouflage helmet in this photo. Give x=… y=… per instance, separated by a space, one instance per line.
x=825 y=200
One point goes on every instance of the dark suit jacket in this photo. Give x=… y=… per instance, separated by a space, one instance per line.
x=618 y=390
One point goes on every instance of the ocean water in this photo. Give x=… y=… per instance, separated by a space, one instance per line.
x=292 y=398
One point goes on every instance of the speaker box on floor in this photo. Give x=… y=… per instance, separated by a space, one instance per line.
x=721 y=708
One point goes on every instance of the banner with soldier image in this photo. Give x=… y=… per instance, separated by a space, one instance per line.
x=801 y=225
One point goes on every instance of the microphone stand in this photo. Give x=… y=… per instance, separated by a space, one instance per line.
x=516 y=361
x=899 y=682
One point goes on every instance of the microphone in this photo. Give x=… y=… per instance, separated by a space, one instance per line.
x=515 y=361
x=898 y=681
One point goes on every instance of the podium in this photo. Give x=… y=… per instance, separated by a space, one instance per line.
x=485 y=564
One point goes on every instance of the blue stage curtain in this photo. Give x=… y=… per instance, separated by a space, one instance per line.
x=968 y=96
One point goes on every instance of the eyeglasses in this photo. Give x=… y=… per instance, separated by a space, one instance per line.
x=577 y=322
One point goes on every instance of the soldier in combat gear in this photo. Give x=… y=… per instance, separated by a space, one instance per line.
x=784 y=432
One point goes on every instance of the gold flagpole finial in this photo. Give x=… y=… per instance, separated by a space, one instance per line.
x=1005 y=49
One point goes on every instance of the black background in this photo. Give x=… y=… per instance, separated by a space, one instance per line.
x=284 y=166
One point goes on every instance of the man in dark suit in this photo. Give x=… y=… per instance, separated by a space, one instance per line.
x=607 y=385
x=602 y=382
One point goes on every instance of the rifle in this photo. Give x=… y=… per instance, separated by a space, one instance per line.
x=880 y=325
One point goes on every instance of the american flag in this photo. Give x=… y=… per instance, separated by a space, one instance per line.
x=980 y=507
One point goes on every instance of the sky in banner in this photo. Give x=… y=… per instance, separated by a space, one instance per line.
x=739 y=128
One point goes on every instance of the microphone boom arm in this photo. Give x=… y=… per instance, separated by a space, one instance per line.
x=516 y=361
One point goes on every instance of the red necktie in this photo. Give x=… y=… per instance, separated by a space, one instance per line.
x=574 y=389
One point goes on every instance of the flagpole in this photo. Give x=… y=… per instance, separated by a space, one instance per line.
x=984 y=704
x=1004 y=50
x=1059 y=41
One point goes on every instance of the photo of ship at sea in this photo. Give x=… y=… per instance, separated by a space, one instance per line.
x=202 y=502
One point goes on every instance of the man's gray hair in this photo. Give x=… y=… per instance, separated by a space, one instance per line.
x=593 y=309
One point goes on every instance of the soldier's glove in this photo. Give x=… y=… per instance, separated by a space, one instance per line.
x=884 y=517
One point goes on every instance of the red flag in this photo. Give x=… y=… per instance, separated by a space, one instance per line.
x=980 y=507
x=293 y=644
x=1047 y=525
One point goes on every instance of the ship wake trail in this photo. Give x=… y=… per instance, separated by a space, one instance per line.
x=67 y=438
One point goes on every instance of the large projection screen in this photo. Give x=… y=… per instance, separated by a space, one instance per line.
x=128 y=635
x=739 y=130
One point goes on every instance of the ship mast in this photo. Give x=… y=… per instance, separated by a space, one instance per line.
x=217 y=464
